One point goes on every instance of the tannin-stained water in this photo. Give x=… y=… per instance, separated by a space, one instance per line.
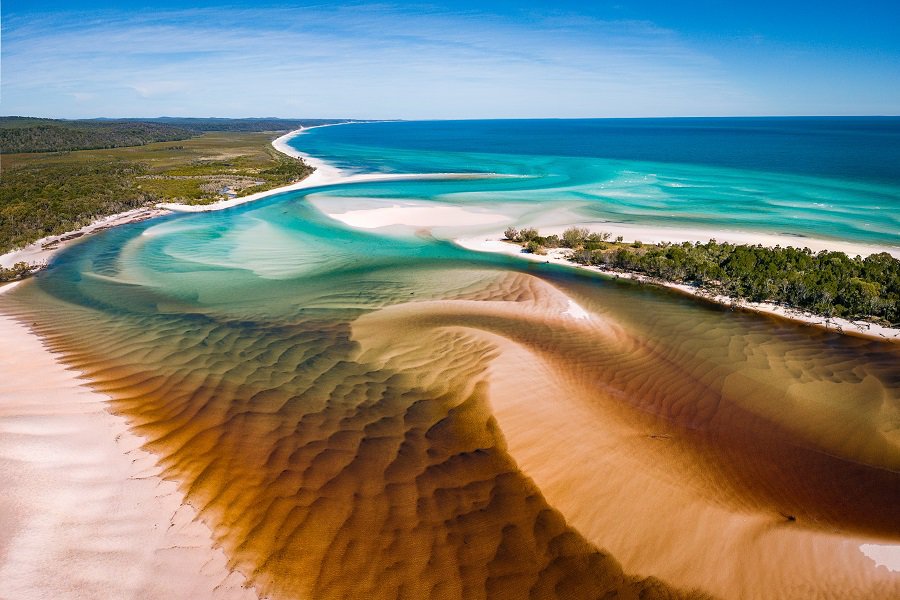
x=335 y=404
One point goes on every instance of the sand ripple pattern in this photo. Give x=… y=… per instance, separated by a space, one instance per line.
x=328 y=473
x=407 y=420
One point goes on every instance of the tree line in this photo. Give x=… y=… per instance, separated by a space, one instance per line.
x=827 y=283
x=23 y=134
x=30 y=134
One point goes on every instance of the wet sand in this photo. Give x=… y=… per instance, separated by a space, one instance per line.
x=84 y=512
x=698 y=484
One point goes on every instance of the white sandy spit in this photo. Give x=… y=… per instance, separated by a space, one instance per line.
x=83 y=513
x=325 y=174
x=560 y=256
x=654 y=234
x=415 y=215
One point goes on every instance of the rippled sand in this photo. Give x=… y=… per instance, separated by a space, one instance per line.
x=461 y=430
x=753 y=484
x=331 y=471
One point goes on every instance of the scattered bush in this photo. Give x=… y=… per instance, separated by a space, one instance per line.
x=534 y=247
x=528 y=234
x=574 y=237
x=551 y=241
x=826 y=283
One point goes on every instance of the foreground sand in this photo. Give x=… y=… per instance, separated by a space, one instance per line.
x=595 y=471
x=83 y=513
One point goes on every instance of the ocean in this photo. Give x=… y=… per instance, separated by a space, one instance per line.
x=825 y=178
x=384 y=414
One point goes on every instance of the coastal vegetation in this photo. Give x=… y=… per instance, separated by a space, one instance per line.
x=17 y=271
x=50 y=193
x=247 y=125
x=830 y=284
x=31 y=134
x=27 y=134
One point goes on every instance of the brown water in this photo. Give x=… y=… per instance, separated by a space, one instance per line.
x=338 y=428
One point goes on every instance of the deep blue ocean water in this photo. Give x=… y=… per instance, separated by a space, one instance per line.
x=833 y=178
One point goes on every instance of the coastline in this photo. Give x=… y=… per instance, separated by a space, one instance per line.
x=558 y=256
x=85 y=512
x=41 y=251
x=655 y=234
x=90 y=499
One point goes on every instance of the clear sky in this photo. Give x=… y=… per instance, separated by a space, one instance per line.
x=461 y=59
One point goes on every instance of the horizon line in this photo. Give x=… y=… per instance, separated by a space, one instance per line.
x=397 y=119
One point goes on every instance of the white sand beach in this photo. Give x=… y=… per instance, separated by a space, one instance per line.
x=84 y=513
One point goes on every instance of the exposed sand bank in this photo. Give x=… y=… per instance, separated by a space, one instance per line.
x=415 y=215
x=559 y=256
x=698 y=487
x=654 y=234
x=602 y=473
x=83 y=512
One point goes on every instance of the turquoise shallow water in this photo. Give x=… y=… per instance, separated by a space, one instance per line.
x=822 y=178
x=323 y=395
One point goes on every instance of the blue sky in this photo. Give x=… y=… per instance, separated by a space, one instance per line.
x=450 y=60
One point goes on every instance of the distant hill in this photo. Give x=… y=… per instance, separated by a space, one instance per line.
x=28 y=134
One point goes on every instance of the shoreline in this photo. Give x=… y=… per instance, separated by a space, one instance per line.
x=655 y=234
x=558 y=256
x=41 y=251
x=85 y=510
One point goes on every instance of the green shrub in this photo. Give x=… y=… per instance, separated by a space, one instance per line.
x=534 y=247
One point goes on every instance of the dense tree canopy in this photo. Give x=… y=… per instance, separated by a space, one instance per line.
x=21 y=134
x=826 y=283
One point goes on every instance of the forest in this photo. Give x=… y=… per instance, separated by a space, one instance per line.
x=26 y=134
x=31 y=134
x=50 y=193
x=830 y=284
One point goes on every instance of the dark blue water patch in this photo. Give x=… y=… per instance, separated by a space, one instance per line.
x=859 y=148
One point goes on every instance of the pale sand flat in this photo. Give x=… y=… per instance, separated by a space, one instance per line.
x=83 y=513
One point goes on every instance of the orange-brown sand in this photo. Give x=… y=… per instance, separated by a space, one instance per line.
x=326 y=472
x=715 y=483
x=522 y=437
